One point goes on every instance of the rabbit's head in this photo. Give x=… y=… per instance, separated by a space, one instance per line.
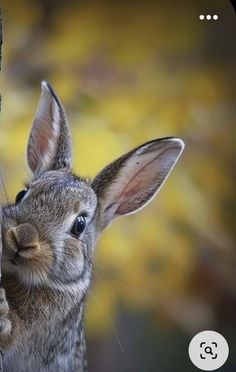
x=50 y=231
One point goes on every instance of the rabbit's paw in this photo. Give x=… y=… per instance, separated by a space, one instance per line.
x=5 y=323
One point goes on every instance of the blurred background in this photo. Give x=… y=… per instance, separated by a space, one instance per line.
x=128 y=72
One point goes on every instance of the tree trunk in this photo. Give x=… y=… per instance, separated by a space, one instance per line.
x=1 y=353
x=1 y=367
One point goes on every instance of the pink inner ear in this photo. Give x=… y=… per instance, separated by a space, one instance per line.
x=134 y=196
x=132 y=189
x=143 y=179
x=142 y=174
x=43 y=138
x=130 y=182
x=43 y=143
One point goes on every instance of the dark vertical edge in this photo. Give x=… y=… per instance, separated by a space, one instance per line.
x=1 y=353
x=0 y=52
x=0 y=39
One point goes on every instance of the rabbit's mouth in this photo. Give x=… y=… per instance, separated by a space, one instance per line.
x=29 y=270
x=12 y=262
x=16 y=260
x=13 y=258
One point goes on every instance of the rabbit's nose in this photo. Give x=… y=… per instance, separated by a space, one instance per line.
x=23 y=239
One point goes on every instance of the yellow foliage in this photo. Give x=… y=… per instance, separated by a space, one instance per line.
x=125 y=77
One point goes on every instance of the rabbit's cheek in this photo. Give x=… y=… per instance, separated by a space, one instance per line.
x=74 y=256
x=42 y=254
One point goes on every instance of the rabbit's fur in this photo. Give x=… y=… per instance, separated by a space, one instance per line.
x=47 y=267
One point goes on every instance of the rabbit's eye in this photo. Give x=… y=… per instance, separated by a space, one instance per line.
x=20 y=195
x=79 y=226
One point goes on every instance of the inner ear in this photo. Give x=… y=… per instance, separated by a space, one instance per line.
x=49 y=145
x=130 y=182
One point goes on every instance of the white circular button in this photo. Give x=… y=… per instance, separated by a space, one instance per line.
x=215 y=17
x=208 y=17
x=201 y=17
x=208 y=350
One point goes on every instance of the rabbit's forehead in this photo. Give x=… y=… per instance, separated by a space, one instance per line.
x=66 y=188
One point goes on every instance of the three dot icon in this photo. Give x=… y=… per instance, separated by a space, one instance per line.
x=208 y=17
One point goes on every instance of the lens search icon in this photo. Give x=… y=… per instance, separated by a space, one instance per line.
x=208 y=350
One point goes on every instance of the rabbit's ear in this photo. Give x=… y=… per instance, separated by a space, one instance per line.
x=49 y=146
x=130 y=182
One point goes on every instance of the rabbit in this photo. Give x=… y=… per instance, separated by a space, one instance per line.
x=49 y=235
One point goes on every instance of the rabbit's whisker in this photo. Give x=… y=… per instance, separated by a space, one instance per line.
x=108 y=319
x=4 y=189
x=109 y=277
x=26 y=169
